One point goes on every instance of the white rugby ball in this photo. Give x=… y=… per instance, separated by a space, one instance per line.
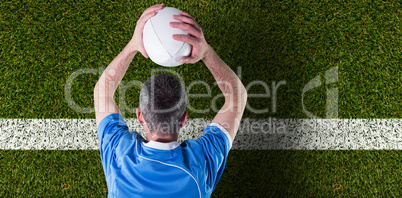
x=158 y=41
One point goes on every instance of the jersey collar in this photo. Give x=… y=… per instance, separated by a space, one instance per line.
x=161 y=145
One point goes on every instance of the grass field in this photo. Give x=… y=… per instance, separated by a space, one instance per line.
x=44 y=42
x=247 y=174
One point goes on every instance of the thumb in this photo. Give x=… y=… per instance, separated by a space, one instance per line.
x=188 y=60
x=143 y=52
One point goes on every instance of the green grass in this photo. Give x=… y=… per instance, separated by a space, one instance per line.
x=247 y=174
x=43 y=43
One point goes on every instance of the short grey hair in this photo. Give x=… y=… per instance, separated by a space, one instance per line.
x=163 y=101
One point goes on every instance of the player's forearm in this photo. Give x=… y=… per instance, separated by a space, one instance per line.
x=114 y=73
x=227 y=80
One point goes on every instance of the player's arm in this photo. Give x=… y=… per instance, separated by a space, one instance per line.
x=114 y=73
x=235 y=94
x=229 y=116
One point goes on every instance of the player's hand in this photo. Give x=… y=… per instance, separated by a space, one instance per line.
x=195 y=38
x=137 y=41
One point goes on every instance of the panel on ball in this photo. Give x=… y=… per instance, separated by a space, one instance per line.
x=153 y=46
x=158 y=42
x=172 y=63
x=162 y=28
x=184 y=51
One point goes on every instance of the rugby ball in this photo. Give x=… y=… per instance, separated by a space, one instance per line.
x=158 y=41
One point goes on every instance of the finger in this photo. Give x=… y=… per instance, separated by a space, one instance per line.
x=154 y=8
x=186 y=38
x=150 y=13
x=185 y=14
x=141 y=22
x=190 y=17
x=189 y=59
x=188 y=20
x=145 y=18
x=186 y=27
x=142 y=48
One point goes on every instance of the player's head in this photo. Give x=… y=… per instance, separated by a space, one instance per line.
x=163 y=101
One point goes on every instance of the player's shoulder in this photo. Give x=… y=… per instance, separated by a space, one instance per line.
x=112 y=121
x=212 y=133
x=218 y=131
x=128 y=142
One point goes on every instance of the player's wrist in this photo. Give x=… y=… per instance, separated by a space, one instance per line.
x=133 y=46
x=207 y=53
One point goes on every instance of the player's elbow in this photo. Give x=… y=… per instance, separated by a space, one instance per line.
x=96 y=88
x=244 y=92
x=243 y=95
x=96 y=92
x=100 y=86
x=238 y=98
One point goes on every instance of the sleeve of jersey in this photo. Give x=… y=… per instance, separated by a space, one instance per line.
x=110 y=131
x=216 y=142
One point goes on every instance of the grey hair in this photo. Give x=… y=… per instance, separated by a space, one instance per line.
x=163 y=100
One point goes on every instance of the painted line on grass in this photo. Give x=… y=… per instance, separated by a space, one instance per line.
x=254 y=134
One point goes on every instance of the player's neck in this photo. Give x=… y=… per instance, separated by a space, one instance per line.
x=163 y=139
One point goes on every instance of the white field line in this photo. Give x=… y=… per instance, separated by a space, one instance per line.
x=254 y=134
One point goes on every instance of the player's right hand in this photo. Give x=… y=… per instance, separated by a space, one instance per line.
x=200 y=47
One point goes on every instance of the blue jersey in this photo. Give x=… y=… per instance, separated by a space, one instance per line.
x=136 y=168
